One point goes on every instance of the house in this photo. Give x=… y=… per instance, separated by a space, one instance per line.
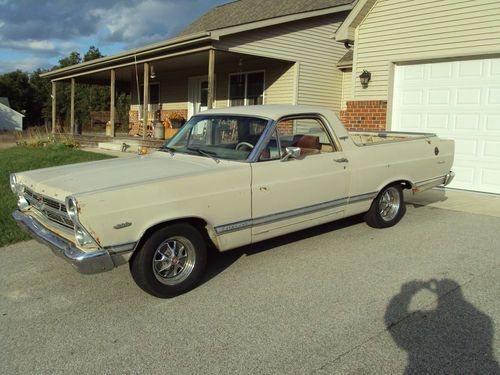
x=430 y=65
x=435 y=67
x=241 y=53
x=9 y=119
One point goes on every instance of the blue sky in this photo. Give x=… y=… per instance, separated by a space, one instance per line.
x=36 y=33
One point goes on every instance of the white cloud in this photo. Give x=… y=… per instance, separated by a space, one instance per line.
x=28 y=44
x=27 y=65
x=147 y=21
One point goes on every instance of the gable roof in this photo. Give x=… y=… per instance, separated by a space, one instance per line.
x=346 y=60
x=345 y=32
x=247 y=11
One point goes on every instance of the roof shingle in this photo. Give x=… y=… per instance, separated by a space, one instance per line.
x=246 y=11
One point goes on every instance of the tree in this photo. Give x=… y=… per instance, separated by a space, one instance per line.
x=31 y=93
x=73 y=59
x=15 y=86
x=40 y=106
x=92 y=54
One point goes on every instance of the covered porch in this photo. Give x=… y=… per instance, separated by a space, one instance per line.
x=165 y=86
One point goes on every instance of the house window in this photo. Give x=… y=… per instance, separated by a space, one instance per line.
x=246 y=88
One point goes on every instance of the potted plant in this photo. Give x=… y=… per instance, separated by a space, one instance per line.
x=173 y=123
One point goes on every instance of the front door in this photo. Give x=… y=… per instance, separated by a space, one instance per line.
x=198 y=95
x=298 y=193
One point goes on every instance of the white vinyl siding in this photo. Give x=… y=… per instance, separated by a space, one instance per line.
x=408 y=30
x=310 y=43
x=346 y=88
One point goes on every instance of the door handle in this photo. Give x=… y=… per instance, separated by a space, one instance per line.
x=342 y=160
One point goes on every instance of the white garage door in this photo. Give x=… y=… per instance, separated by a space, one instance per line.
x=459 y=100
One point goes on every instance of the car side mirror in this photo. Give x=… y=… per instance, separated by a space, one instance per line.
x=291 y=153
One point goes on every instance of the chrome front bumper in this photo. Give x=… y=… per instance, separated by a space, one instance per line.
x=99 y=260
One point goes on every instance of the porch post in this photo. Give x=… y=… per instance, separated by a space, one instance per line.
x=112 y=109
x=211 y=78
x=53 y=107
x=72 y=111
x=145 y=101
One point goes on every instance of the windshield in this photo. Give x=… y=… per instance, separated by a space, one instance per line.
x=224 y=137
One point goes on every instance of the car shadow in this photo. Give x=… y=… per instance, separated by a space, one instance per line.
x=453 y=338
x=425 y=198
x=219 y=261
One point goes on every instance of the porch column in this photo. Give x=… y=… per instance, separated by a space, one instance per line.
x=72 y=111
x=145 y=102
x=211 y=78
x=112 y=109
x=53 y=107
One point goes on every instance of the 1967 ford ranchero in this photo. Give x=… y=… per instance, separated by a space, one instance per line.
x=230 y=177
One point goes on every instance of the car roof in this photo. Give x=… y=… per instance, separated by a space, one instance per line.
x=270 y=111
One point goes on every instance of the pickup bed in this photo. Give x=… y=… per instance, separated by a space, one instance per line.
x=230 y=177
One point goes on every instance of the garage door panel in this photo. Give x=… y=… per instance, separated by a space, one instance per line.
x=412 y=97
x=438 y=122
x=458 y=100
x=466 y=148
x=467 y=121
x=472 y=68
x=493 y=95
x=493 y=123
x=469 y=96
x=495 y=68
x=464 y=176
x=492 y=149
x=439 y=97
x=491 y=177
x=441 y=71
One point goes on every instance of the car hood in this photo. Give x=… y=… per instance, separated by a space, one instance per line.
x=59 y=182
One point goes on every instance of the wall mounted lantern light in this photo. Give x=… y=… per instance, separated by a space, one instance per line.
x=365 y=77
x=152 y=73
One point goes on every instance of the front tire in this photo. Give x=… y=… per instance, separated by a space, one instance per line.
x=170 y=262
x=387 y=209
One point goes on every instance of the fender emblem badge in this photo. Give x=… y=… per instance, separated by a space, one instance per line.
x=122 y=225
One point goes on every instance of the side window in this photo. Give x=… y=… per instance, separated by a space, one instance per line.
x=307 y=133
x=271 y=151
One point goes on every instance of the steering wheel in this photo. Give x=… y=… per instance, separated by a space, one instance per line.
x=238 y=146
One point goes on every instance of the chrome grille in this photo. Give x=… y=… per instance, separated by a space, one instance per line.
x=50 y=208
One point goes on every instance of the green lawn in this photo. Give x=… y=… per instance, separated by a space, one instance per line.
x=18 y=159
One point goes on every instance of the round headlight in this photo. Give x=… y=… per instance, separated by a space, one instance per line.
x=71 y=208
x=82 y=237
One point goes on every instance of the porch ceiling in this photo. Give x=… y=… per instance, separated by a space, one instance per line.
x=173 y=64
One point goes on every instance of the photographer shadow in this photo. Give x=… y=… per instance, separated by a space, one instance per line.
x=453 y=338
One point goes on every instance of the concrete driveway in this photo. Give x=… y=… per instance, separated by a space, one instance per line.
x=341 y=298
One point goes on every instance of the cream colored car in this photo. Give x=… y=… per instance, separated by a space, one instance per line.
x=229 y=178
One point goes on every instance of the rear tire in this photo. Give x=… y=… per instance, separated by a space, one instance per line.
x=387 y=209
x=170 y=262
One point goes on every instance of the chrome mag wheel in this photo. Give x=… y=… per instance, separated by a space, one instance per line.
x=174 y=260
x=389 y=204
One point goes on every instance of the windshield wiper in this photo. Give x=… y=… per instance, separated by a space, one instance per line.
x=168 y=149
x=208 y=154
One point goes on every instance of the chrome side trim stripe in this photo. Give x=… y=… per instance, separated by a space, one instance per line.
x=121 y=248
x=267 y=219
x=434 y=179
x=363 y=197
x=298 y=212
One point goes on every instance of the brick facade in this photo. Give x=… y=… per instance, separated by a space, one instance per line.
x=365 y=115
